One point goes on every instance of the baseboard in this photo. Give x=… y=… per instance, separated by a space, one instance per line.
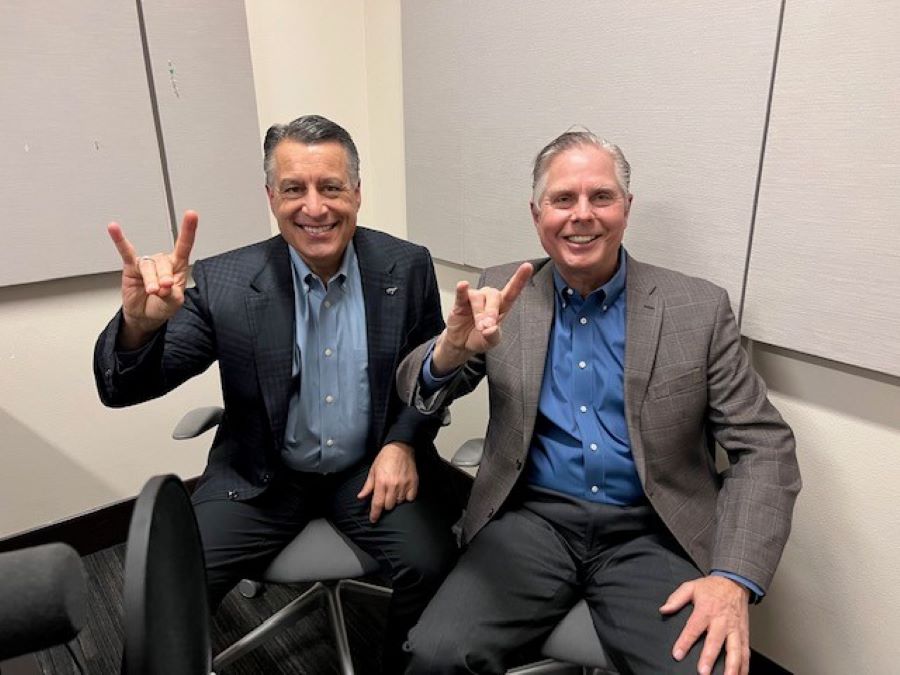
x=87 y=532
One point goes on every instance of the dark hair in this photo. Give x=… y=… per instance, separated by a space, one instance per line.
x=310 y=129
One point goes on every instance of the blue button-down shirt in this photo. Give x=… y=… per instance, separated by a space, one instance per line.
x=580 y=444
x=328 y=415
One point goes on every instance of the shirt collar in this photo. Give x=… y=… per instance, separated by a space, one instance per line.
x=301 y=269
x=611 y=290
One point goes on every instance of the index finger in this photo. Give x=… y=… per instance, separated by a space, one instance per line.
x=515 y=285
x=186 y=234
x=123 y=246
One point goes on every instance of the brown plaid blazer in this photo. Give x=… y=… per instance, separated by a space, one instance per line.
x=686 y=378
x=241 y=313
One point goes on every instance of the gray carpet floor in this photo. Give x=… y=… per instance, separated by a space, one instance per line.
x=305 y=649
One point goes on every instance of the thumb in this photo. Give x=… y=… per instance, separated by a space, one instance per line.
x=367 y=488
x=679 y=598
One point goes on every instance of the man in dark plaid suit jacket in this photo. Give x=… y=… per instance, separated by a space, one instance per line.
x=307 y=328
x=598 y=479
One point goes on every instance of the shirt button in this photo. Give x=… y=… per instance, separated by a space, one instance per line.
x=232 y=494
x=328 y=352
x=329 y=442
x=582 y=364
x=605 y=307
x=329 y=399
x=569 y=291
x=327 y=304
x=595 y=489
x=583 y=408
x=582 y=321
x=594 y=447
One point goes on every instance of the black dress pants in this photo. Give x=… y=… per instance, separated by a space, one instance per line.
x=413 y=542
x=527 y=568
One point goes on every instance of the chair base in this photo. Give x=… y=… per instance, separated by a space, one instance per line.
x=290 y=613
x=552 y=667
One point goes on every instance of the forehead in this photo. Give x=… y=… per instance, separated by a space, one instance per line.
x=314 y=161
x=582 y=163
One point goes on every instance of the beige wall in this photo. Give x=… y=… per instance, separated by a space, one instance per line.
x=832 y=606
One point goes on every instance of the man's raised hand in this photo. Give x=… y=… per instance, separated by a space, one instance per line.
x=152 y=286
x=473 y=326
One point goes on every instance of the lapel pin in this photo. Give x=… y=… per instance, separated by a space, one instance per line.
x=390 y=290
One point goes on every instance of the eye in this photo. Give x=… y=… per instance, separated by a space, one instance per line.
x=603 y=198
x=562 y=200
x=332 y=190
x=292 y=191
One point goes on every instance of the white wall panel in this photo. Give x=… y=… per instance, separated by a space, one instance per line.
x=682 y=87
x=203 y=78
x=825 y=265
x=77 y=141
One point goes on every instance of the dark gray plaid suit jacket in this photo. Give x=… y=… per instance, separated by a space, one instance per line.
x=686 y=376
x=241 y=313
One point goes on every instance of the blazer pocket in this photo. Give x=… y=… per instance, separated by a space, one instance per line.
x=693 y=379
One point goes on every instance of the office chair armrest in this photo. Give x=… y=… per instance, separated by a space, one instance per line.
x=469 y=453
x=197 y=421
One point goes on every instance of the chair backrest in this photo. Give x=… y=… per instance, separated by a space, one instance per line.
x=166 y=612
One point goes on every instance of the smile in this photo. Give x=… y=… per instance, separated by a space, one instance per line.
x=317 y=229
x=581 y=238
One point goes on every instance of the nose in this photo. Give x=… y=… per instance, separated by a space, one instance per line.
x=582 y=209
x=313 y=205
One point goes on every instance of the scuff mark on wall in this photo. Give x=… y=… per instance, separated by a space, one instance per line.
x=173 y=80
x=96 y=145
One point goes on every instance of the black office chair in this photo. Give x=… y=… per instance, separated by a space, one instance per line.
x=166 y=617
x=318 y=554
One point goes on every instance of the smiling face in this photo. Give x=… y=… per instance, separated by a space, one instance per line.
x=581 y=216
x=314 y=202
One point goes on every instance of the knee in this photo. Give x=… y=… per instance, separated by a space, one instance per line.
x=435 y=653
x=426 y=563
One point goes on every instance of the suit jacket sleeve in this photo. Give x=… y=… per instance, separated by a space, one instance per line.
x=760 y=486
x=182 y=348
x=409 y=379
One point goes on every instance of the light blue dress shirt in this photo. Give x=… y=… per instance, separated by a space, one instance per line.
x=328 y=415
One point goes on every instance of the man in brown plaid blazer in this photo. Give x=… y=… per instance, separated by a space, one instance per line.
x=307 y=329
x=598 y=479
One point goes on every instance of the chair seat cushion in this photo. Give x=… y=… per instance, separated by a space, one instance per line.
x=319 y=553
x=575 y=640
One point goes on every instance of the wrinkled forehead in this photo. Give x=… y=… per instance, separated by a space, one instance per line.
x=311 y=161
x=582 y=164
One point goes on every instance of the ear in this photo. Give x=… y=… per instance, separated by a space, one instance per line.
x=270 y=193
x=535 y=213
x=357 y=195
x=628 y=200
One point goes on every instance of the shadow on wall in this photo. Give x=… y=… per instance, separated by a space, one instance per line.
x=63 y=487
x=845 y=389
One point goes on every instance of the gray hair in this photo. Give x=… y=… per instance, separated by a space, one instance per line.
x=310 y=129
x=575 y=139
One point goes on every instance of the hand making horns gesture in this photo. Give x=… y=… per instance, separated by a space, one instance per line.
x=152 y=286
x=473 y=326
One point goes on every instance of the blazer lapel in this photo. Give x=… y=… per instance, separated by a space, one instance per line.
x=535 y=323
x=270 y=312
x=385 y=299
x=642 y=329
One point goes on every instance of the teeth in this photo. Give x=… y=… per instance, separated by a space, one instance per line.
x=317 y=229
x=580 y=238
